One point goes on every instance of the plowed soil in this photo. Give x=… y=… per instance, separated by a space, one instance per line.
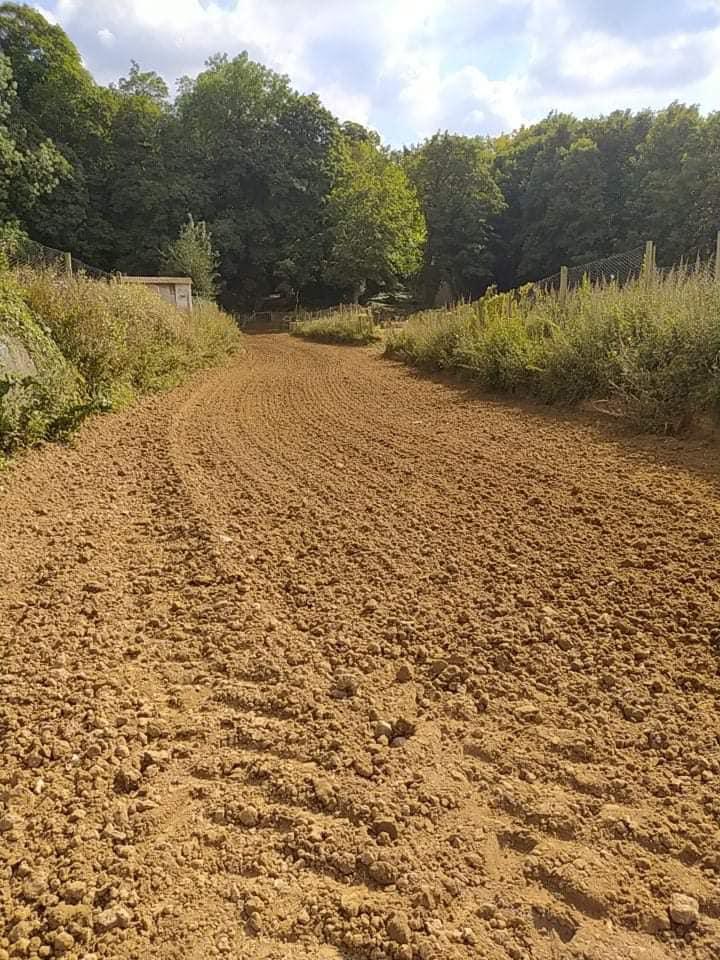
x=315 y=658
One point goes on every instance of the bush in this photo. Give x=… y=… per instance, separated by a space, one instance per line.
x=123 y=337
x=95 y=346
x=651 y=349
x=353 y=326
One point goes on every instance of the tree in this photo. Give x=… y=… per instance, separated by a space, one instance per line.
x=192 y=255
x=139 y=83
x=357 y=133
x=460 y=198
x=573 y=226
x=663 y=189
x=27 y=170
x=617 y=137
x=58 y=102
x=702 y=169
x=378 y=229
x=260 y=156
x=298 y=202
x=147 y=189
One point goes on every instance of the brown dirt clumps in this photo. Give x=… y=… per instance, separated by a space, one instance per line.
x=317 y=659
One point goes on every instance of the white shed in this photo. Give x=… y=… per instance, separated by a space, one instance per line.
x=176 y=290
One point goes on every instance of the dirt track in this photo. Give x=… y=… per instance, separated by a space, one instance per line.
x=212 y=606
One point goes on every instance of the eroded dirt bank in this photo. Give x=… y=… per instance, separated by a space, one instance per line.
x=316 y=659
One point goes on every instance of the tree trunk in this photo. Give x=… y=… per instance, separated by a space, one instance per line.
x=358 y=290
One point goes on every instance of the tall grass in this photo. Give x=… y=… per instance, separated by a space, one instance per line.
x=95 y=346
x=350 y=325
x=651 y=348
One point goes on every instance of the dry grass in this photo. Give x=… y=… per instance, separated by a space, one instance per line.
x=123 y=336
x=117 y=340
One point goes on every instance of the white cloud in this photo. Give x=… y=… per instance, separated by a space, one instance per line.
x=48 y=14
x=410 y=67
x=106 y=37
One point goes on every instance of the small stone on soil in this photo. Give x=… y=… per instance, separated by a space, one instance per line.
x=684 y=910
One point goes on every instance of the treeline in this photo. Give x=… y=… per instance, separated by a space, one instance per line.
x=298 y=203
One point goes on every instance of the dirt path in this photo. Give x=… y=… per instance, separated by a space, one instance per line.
x=316 y=659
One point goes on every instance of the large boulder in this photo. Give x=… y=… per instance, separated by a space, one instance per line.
x=39 y=388
x=15 y=360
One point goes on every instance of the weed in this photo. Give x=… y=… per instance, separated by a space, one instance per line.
x=94 y=346
x=353 y=326
x=650 y=348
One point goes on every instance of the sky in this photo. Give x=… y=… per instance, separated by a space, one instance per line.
x=410 y=67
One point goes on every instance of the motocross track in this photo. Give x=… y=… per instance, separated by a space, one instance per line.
x=317 y=658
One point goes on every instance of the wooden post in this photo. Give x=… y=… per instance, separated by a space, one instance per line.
x=563 y=283
x=68 y=264
x=649 y=261
x=717 y=257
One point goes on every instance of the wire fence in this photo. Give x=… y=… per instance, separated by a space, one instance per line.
x=697 y=260
x=630 y=265
x=21 y=251
x=619 y=267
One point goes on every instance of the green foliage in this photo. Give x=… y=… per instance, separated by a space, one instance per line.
x=652 y=351
x=355 y=327
x=302 y=204
x=377 y=226
x=460 y=198
x=12 y=240
x=260 y=156
x=662 y=180
x=34 y=403
x=192 y=255
x=93 y=346
x=123 y=338
x=143 y=83
x=27 y=169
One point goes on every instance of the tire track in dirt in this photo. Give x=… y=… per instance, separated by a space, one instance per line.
x=226 y=591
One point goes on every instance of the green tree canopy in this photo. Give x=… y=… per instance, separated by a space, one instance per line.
x=261 y=160
x=27 y=170
x=662 y=188
x=377 y=225
x=299 y=202
x=461 y=201
x=143 y=83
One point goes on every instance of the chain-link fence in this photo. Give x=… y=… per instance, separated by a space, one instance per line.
x=21 y=251
x=617 y=268
x=623 y=267
x=700 y=259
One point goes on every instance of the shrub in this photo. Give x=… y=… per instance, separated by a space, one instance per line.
x=353 y=326
x=95 y=345
x=651 y=349
x=124 y=338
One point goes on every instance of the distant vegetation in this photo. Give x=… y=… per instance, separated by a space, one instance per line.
x=299 y=203
x=343 y=326
x=92 y=346
x=649 y=349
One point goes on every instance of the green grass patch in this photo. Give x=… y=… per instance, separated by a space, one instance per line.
x=349 y=326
